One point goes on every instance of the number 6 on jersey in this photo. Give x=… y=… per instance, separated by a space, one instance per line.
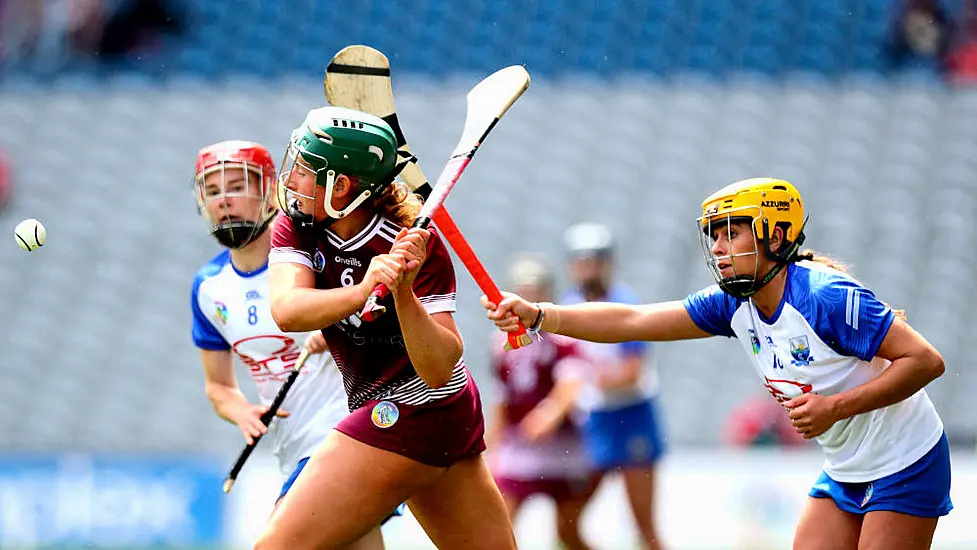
x=346 y=277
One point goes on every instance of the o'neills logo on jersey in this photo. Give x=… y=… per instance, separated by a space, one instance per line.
x=348 y=261
x=781 y=206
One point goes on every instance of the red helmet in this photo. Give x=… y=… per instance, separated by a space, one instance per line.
x=235 y=151
x=234 y=184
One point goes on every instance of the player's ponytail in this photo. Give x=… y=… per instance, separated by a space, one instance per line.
x=398 y=204
x=827 y=261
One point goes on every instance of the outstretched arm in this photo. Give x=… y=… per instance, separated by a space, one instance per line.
x=598 y=321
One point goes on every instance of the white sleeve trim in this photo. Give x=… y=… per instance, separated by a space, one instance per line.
x=289 y=255
x=439 y=304
x=851 y=308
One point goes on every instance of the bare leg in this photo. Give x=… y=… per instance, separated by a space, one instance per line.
x=345 y=491
x=895 y=531
x=464 y=509
x=568 y=513
x=370 y=541
x=824 y=526
x=640 y=485
x=512 y=505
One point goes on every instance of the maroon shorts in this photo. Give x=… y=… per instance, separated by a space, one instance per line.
x=438 y=433
x=556 y=488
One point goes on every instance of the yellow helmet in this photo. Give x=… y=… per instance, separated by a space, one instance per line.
x=769 y=202
x=764 y=203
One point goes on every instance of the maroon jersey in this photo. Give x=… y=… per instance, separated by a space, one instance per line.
x=529 y=374
x=372 y=356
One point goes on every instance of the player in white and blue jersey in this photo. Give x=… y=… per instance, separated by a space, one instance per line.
x=849 y=371
x=620 y=427
x=234 y=186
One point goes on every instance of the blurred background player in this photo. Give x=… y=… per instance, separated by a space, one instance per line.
x=815 y=335
x=621 y=428
x=534 y=446
x=760 y=422
x=234 y=187
x=416 y=430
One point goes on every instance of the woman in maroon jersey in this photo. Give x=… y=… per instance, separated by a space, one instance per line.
x=534 y=446
x=415 y=432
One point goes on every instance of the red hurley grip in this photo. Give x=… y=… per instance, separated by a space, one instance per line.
x=372 y=309
x=452 y=234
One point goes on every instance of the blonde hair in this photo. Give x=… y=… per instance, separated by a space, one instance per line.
x=812 y=256
x=828 y=261
x=399 y=204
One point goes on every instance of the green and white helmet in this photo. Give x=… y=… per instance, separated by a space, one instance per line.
x=333 y=141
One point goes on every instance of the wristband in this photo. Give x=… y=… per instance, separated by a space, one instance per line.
x=538 y=321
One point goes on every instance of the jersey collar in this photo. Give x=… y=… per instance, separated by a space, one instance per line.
x=364 y=233
x=248 y=274
x=783 y=299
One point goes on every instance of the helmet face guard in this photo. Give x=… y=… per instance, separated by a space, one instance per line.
x=234 y=191
x=333 y=141
x=738 y=284
x=762 y=204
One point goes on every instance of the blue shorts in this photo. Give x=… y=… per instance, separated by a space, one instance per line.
x=298 y=470
x=921 y=489
x=629 y=436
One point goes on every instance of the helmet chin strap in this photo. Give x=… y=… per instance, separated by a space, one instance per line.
x=299 y=217
x=403 y=160
x=733 y=285
x=308 y=220
x=744 y=286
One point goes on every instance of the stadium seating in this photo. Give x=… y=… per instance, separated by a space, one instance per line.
x=552 y=37
x=96 y=350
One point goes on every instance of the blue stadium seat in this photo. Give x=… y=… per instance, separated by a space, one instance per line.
x=602 y=37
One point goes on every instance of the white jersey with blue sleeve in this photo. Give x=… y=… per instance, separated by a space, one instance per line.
x=607 y=357
x=232 y=311
x=822 y=339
